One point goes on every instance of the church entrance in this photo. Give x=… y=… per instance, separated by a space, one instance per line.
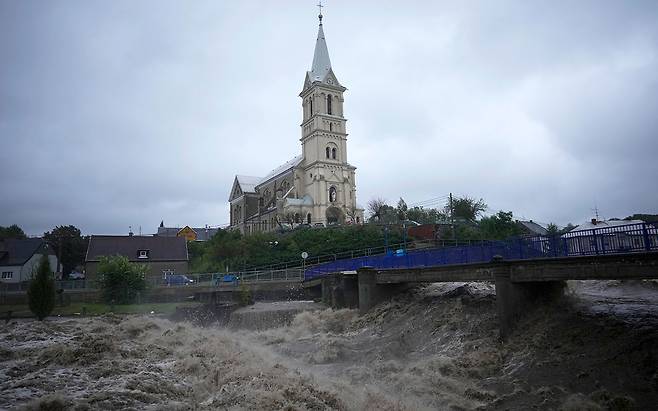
x=335 y=216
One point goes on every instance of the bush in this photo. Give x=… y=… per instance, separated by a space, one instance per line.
x=121 y=281
x=41 y=293
x=245 y=296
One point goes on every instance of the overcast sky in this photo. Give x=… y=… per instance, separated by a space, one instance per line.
x=124 y=113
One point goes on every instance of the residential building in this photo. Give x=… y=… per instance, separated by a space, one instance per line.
x=187 y=232
x=162 y=255
x=19 y=259
x=599 y=237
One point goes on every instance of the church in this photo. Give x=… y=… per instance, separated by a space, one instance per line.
x=317 y=187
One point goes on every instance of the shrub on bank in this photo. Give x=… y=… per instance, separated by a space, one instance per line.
x=41 y=293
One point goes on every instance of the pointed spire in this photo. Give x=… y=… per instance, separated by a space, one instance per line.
x=321 y=62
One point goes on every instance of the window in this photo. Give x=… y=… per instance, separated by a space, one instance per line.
x=7 y=275
x=308 y=218
x=297 y=218
x=143 y=254
x=167 y=272
x=333 y=153
x=331 y=126
x=329 y=104
x=310 y=101
x=332 y=194
x=327 y=151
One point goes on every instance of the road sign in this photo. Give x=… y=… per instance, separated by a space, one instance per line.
x=304 y=255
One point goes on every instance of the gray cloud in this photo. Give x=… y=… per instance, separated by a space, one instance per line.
x=124 y=113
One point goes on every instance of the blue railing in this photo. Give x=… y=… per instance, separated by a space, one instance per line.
x=599 y=241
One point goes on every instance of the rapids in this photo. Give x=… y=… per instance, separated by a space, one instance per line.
x=434 y=347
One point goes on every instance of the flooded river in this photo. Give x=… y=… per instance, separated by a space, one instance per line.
x=434 y=347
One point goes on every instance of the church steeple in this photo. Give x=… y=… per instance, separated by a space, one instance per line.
x=321 y=62
x=321 y=68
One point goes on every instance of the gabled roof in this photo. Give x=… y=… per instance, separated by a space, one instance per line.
x=18 y=252
x=203 y=233
x=160 y=248
x=605 y=224
x=533 y=227
x=248 y=183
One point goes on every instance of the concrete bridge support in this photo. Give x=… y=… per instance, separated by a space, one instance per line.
x=340 y=290
x=515 y=299
x=370 y=293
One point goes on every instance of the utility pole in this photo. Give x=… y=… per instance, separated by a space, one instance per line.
x=452 y=221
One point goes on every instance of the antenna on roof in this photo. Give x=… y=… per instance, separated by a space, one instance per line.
x=596 y=212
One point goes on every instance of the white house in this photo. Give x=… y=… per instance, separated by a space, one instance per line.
x=19 y=258
x=600 y=237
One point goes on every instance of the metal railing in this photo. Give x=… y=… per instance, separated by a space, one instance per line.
x=599 y=241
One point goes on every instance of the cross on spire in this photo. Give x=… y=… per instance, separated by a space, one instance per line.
x=320 y=8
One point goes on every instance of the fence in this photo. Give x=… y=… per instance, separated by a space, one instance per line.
x=600 y=241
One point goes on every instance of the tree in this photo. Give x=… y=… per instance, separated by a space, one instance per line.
x=499 y=226
x=375 y=208
x=402 y=210
x=553 y=229
x=41 y=292
x=13 y=231
x=465 y=207
x=70 y=246
x=121 y=281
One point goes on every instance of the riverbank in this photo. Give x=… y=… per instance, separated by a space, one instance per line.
x=434 y=347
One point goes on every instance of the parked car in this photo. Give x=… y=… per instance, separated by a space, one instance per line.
x=74 y=275
x=178 y=279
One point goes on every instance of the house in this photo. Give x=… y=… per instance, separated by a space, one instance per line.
x=162 y=255
x=187 y=232
x=599 y=237
x=19 y=258
x=531 y=229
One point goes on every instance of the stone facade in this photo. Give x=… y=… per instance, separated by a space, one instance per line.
x=317 y=187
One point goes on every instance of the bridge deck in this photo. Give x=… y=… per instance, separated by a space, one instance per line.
x=617 y=266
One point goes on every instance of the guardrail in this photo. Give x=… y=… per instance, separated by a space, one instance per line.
x=600 y=241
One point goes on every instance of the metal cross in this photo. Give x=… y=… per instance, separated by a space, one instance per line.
x=320 y=6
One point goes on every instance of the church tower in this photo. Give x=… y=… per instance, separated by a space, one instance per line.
x=328 y=178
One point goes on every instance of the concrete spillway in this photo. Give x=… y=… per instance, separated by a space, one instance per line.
x=262 y=316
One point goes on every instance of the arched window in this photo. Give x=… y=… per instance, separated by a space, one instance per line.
x=310 y=103
x=333 y=153
x=261 y=202
x=332 y=194
x=297 y=218
x=329 y=104
x=308 y=218
x=331 y=126
x=328 y=150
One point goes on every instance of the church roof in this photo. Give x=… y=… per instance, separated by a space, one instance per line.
x=248 y=183
x=282 y=168
x=321 y=62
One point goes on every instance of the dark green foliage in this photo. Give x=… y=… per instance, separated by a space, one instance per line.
x=69 y=245
x=466 y=208
x=402 y=210
x=229 y=250
x=499 y=226
x=649 y=218
x=41 y=293
x=553 y=229
x=245 y=296
x=426 y=215
x=13 y=231
x=121 y=281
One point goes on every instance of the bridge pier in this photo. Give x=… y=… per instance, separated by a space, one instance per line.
x=515 y=299
x=370 y=293
x=340 y=290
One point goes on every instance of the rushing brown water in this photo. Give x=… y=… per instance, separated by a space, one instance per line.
x=435 y=347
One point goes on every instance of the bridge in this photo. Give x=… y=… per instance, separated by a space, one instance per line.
x=524 y=270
